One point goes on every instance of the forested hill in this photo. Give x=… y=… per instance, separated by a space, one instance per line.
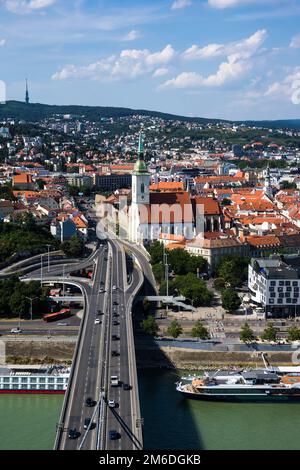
x=34 y=112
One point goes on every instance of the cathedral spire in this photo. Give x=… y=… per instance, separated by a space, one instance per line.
x=140 y=166
x=141 y=143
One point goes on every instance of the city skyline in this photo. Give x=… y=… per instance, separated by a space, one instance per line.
x=230 y=59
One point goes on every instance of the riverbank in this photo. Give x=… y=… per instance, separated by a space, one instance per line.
x=148 y=355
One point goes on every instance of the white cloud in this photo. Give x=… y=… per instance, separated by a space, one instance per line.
x=230 y=3
x=179 y=4
x=131 y=36
x=2 y=42
x=245 y=47
x=289 y=87
x=295 y=42
x=160 y=72
x=227 y=71
x=26 y=6
x=129 y=64
x=239 y=62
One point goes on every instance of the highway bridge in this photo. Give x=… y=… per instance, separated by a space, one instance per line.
x=105 y=348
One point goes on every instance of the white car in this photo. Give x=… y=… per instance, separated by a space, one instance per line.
x=97 y=321
x=111 y=403
x=114 y=287
x=16 y=330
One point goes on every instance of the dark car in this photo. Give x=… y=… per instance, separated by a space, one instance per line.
x=115 y=314
x=126 y=386
x=115 y=353
x=115 y=302
x=90 y=402
x=73 y=433
x=115 y=337
x=113 y=435
x=86 y=423
x=115 y=322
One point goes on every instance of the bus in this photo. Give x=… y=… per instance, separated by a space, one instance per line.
x=63 y=313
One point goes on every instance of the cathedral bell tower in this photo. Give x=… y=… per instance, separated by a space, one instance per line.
x=140 y=177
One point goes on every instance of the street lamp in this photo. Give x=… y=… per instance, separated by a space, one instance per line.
x=42 y=254
x=32 y=299
x=48 y=246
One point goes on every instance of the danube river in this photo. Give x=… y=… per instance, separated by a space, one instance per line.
x=170 y=421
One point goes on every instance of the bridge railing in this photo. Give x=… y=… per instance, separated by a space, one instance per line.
x=60 y=427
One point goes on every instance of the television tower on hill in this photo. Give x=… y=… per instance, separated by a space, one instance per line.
x=27 y=93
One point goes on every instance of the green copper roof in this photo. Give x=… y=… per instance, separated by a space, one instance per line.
x=140 y=167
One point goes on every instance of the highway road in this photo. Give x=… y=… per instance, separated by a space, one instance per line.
x=86 y=376
x=96 y=363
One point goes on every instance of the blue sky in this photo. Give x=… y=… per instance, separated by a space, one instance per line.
x=234 y=59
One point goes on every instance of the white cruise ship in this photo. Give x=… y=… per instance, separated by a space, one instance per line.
x=34 y=379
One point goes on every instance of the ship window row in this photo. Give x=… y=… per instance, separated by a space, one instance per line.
x=33 y=380
x=280 y=301
x=34 y=387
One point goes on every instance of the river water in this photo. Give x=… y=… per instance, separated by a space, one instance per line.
x=170 y=421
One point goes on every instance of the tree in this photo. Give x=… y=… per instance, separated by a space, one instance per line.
x=156 y=252
x=158 y=271
x=192 y=288
x=150 y=326
x=183 y=263
x=226 y=202
x=247 y=334
x=18 y=303
x=294 y=333
x=73 y=247
x=230 y=300
x=233 y=269
x=219 y=283
x=40 y=184
x=200 y=331
x=174 y=329
x=269 y=333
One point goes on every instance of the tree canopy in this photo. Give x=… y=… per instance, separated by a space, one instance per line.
x=230 y=300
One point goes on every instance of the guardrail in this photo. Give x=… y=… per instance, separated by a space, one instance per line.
x=60 y=428
x=135 y=400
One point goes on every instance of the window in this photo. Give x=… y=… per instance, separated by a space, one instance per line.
x=280 y=289
x=295 y=283
x=288 y=294
x=281 y=283
x=279 y=301
x=295 y=301
x=281 y=295
x=288 y=301
x=289 y=289
x=271 y=301
x=273 y=283
x=272 y=294
x=142 y=188
x=272 y=289
x=287 y=283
